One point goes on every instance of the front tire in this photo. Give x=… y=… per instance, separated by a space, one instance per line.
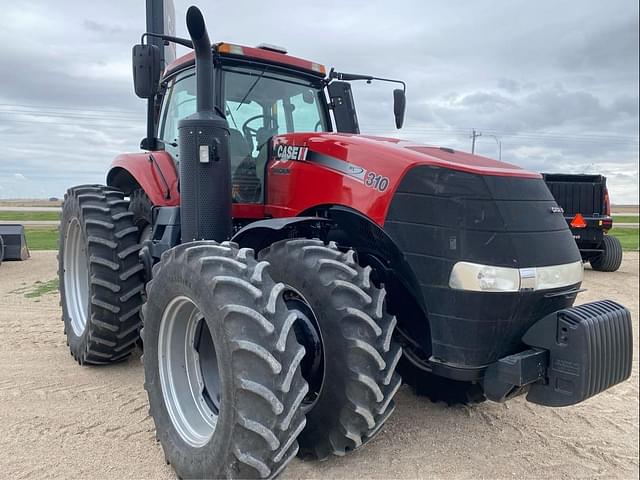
x=611 y=257
x=437 y=388
x=222 y=364
x=355 y=395
x=99 y=275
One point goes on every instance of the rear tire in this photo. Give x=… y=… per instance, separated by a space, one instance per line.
x=141 y=207
x=611 y=258
x=99 y=275
x=241 y=418
x=355 y=394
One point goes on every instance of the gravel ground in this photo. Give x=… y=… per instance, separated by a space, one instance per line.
x=58 y=420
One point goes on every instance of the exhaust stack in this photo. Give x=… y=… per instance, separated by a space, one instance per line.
x=205 y=176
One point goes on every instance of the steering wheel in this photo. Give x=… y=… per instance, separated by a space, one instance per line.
x=318 y=126
x=250 y=132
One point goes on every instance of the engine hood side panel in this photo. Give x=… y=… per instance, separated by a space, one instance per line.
x=358 y=171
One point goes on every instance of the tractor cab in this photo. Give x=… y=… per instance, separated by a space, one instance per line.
x=259 y=99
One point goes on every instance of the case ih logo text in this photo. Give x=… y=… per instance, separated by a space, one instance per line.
x=291 y=152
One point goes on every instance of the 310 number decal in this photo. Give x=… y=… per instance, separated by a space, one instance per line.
x=376 y=181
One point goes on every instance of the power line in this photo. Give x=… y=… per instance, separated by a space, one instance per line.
x=60 y=107
x=541 y=135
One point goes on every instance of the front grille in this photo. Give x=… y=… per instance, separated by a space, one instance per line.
x=439 y=217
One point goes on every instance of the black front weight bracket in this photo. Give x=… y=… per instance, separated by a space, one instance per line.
x=576 y=353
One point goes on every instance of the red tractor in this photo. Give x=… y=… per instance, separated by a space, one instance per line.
x=278 y=266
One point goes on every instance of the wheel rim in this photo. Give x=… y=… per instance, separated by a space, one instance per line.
x=308 y=334
x=76 y=277
x=189 y=374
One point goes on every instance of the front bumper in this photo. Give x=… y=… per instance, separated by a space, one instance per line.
x=575 y=353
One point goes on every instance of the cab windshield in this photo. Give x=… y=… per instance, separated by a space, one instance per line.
x=259 y=102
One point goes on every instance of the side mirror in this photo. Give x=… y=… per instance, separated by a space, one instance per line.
x=399 y=106
x=146 y=70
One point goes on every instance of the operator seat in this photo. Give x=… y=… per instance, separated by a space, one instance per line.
x=239 y=148
x=245 y=185
x=263 y=135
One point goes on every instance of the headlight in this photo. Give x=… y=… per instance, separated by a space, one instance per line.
x=487 y=278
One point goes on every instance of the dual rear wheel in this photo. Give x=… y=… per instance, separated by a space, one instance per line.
x=247 y=362
x=244 y=373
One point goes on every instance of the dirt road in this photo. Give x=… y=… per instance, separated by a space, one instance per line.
x=58 y=420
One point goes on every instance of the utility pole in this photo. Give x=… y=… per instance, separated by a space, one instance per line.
x=499 y=142
x=474 y=135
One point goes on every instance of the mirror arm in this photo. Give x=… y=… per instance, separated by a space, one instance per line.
x=333 y=75
x=168 y=38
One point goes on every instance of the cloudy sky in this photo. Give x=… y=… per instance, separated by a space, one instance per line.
x=556 y=82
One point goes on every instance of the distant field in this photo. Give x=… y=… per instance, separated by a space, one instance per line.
x=628 y=237
x=30 y=203
x=625 y=208
x=20 y=216
x=42 y=238
x=47 y=238
x=25 y=216
x=625 y=219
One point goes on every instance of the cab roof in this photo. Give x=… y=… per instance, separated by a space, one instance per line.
x=256 y=53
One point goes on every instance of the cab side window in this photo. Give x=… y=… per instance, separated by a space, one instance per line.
x=180 y=102
x=306 y=114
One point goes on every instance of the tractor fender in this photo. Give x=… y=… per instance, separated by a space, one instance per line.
x=259 y=235
x=349 y=228
x=153 y=172
x=375 y=247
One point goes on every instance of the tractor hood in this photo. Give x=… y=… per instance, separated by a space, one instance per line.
x=443 y=208
x=379 y=153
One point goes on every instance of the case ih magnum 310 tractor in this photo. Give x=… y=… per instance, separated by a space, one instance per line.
x=279 y=268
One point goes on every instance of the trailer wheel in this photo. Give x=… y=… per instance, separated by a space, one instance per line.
x=222 y=364
x=611 y=258
x=351 y=359
x=99 y=272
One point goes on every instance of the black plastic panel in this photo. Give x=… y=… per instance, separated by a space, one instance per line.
x=439 y=217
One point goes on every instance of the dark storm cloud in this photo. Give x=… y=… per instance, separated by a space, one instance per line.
x=555 y=82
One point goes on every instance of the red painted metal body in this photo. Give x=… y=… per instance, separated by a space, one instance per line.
x=295 y=186
x=150 y=176
x=252 y=53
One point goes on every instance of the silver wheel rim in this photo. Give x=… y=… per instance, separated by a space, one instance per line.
x=76 y=277
x=189 y=374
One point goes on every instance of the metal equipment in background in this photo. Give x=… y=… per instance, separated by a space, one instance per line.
x=13 y=240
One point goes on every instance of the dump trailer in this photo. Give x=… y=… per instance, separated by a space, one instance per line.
x=584 y=200
x=283 y=270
